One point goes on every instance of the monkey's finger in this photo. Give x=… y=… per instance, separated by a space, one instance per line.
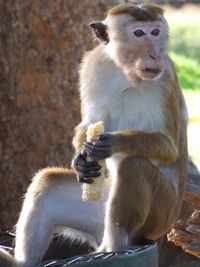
x=88 y=167
x=105 y=137
x=84 y=180
x=86 y=177
x=92 y=147
x=97 y=153
x=78 y=159
x=86 y=164
x=102 y=143
x=81 y=161
x=88 y=147
x=83 y=153
x=99 y=156
x=89 y=174
x=98 y=143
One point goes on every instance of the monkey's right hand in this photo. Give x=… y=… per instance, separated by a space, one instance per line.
x=85 y=170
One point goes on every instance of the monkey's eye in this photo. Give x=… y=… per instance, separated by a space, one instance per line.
x=139 y=33
x=155 y=32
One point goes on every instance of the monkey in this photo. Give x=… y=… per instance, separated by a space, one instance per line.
x=129 y=82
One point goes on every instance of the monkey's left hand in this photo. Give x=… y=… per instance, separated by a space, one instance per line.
x=100 y=149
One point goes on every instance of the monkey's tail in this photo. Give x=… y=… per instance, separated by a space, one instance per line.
x=6 y=260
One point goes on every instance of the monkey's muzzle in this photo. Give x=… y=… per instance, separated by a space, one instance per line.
x=149 y=73
x=149 y=70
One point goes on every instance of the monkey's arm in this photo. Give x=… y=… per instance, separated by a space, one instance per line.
x=154 y=146
x=79 y=138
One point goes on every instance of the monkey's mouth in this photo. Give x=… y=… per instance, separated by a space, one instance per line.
x=147 y=73
x=151 y=70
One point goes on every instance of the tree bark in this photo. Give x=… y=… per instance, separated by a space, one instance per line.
x=192 y=194
x=186 y=234
x=41 y=45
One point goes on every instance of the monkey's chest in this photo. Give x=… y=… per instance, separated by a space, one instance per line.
x=135 y=111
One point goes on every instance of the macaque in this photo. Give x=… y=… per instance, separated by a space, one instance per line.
x=129 y=82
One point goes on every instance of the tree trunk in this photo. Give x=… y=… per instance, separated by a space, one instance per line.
x=41 y=45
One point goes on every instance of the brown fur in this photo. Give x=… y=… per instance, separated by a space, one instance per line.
x=147 y=221
x=144 y=13
x=159 y=147
x=48 y=175
x=79 y=138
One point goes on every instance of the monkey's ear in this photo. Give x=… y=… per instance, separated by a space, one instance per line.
x=100 y=31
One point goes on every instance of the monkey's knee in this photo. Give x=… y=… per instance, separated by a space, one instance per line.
x=115 y=237
x=44 y=189
x=45 y=183
x=6 y=260
x=47 y=176
x=39 y=214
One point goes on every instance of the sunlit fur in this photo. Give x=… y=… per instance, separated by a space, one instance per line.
x=147 y=117
x=53 y=201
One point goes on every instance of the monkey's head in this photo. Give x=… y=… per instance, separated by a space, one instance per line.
x=135 y=37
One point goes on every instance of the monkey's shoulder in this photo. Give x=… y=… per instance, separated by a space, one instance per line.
x=99 y=71
x=95 y=55
x=98 y=62
x=171 y=75
x=170 y=78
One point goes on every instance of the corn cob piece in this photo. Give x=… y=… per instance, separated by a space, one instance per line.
x=94 y=191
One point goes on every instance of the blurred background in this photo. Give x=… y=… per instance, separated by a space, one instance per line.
x=41 y=45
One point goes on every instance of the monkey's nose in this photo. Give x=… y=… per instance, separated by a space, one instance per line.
x=153 y=56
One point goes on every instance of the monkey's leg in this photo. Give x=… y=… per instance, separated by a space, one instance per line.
x=53 y=198
x=125 y=204
x=131 y=201
x=165 y=203
x=6 y=260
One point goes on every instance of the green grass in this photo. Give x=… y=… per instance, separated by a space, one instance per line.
x=185 y=51
x=188 y=71
x=192 y=101
x=185 y=41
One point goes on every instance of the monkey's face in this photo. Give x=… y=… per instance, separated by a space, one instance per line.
x=139 y=48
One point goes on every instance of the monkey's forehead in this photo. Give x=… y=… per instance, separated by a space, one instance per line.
x=145 y=12
x=145 y=24
x=122 y=20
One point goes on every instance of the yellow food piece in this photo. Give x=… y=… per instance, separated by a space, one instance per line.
x=94 y=131
x=94 y=191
